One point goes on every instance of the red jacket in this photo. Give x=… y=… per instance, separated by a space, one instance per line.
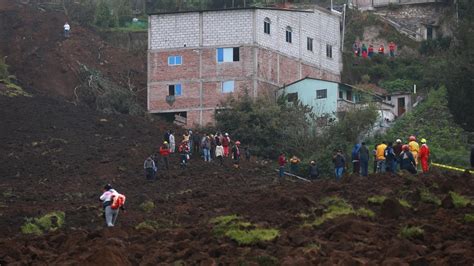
x=424 y=152
x=164 y=151
x=281 y=160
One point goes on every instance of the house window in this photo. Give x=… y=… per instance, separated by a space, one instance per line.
x=175 y=60
x=349 y=96
x=309 y=44
x=228 y=55
x=266 y=26
x=228 y=86
x=293 y=97
x=389 y=98
x=288 y=34
x=341 y=94
x=329 y=51
x=174 y=90
x=321 y=94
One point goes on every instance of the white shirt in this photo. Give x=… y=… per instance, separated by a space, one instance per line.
x=107 y=195
x=67 y=27
x=219 y=150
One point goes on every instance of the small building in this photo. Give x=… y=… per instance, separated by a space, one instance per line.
x=196 y=59
x=327 y=98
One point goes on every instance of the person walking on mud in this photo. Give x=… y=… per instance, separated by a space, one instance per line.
x=150 y=168
x=67 y=28
x=112 y=201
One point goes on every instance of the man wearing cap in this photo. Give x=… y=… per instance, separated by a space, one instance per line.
x=424 y=155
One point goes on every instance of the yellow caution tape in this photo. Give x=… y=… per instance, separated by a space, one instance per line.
x=452 y=168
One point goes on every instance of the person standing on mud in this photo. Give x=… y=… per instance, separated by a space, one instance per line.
x=236 y=154
x=150 y=168
x=339 y=164
x=390 y=158
x=424 y=156
x=407 y=161
x=397 y=149
x=225 y=144
x=67 y=28
x=196 y=139
x=206 y=148
x=364 y=159
x=172 y=143
x=281 y=163
x=414 y=148
x=380 y=157
x=165 y=152
x=294 y=164
x=220 y=154
x=184 y=154
x=356 y=159
x=106 y=198
x=313 y=170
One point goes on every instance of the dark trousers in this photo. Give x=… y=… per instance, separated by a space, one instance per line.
x=165 y=162
x=221 y=160
x=150 y=173
x=364 y=168
x=356 y=167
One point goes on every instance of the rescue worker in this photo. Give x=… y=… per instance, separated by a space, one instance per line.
x=165 y=152
x=414 y=148
x=424 y=156
x=380 y=157
x=106 y=198
x=407 y=161
x=294 y=163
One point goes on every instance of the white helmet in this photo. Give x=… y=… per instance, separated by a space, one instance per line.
x=399 y=141
x=227 y=134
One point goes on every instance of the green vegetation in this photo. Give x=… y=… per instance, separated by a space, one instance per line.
x=336 y=207
x=427 y=197
x=242 y=232
x=263 y=123
x=433 y=121
x=469 y=217
x=10 y=89
x=48 y=222
x=147 y=206
x=153 y=225
x=376 y=199
x=459 y=201
x=405 y=203
x=411 y=232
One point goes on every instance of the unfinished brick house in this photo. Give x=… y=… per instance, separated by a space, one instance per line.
x=196 y=59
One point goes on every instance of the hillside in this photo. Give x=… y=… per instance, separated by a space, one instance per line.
x=57 y=156
x=32 y=41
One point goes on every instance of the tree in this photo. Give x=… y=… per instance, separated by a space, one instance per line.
x=460 y=71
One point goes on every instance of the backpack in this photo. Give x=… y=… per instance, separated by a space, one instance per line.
x=118 y=200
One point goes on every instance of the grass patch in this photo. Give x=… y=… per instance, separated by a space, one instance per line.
x=335 y=207
x=427 y=197
x=13 y=90
x=378 y=200
x=365 y=212
x=242 y=232
x=459 y=201
x=147 y=206
x=405 y=203
x=410 y=232
x=46 y=223
x=155 y=225
x=266 y=260
x=469 y=217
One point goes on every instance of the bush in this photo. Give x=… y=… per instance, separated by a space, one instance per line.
x=427 y=197
x=459 y=201
x=48 y=222
x=469 y=217
x=147 y=206
x=376 y=199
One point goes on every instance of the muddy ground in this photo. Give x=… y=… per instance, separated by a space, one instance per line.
x=57 y=156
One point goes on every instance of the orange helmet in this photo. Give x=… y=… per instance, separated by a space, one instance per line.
x=405 y=147
x=412 y=138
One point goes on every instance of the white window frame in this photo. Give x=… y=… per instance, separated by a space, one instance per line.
x=172 y=60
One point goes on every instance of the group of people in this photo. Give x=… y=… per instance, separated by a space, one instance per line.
x=368 y=52
x=312 y=173
x=390 y=157
x=208 y=146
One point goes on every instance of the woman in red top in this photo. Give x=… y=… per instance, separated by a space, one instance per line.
x=381 y=49
x=282 y=163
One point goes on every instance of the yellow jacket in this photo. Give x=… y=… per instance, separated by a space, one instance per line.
x=380 y=154
x=414 y=147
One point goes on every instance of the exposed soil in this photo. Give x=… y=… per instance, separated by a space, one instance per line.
x=32 y=41
x=56 y=157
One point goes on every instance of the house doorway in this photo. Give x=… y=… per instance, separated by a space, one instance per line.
x=401 y=106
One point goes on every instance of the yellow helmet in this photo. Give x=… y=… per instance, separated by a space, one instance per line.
x=423 y=140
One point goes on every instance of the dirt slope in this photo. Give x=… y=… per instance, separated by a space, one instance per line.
x=56 y=157
x=42 y=59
